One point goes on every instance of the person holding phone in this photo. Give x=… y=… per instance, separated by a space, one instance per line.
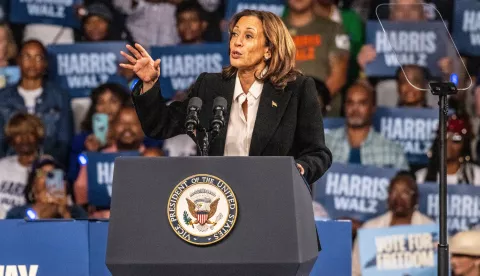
x=46 y=194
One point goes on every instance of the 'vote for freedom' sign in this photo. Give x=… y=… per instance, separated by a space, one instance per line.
x=354 y=191
x=235 y=6
x=399 y=250
x=466 y=26
x=80 y=67
x=463 y=205
x=54 y=12
x=182 y=64
x=421 y=43
x=100 y=168
x=414 y=128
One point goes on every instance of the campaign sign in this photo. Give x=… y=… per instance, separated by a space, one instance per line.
x=422 y=43
x=413 y=128
x=332 y=123
x=399 y=250
x=97 y=243
x=54 y=12
x=236 y=6
x=463 y=205
x=43 y=248
x=182 y=64
x=466 y=27
x=9 y=75
x=354 y=191
x=100 y=168
x=80 y=67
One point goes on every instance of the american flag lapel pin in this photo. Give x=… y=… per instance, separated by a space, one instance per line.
x=274 y=104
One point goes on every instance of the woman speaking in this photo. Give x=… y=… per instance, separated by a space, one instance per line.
x=272 y=108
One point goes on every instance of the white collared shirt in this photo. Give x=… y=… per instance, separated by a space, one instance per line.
x=239 y=131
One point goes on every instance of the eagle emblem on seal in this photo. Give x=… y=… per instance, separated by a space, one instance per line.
x=202 y=209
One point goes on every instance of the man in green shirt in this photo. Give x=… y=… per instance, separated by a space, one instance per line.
x=322 y=48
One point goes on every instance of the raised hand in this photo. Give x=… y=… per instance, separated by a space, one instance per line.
x=142 y=64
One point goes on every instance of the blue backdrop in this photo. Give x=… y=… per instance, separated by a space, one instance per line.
x=77 y=248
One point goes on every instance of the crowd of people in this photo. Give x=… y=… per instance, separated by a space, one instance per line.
x=38 y=132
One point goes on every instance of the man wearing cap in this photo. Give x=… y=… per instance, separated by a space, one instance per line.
x=465 y=249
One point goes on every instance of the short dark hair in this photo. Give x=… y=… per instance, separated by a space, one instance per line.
x=34 y=41
x=190 y=5
x=411 y=181
x=367 y=87
x=118 y=90
x=423 y=70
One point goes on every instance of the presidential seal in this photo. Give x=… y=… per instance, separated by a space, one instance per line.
x=202 y=209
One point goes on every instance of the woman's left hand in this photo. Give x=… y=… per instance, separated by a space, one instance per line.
x=300 y=169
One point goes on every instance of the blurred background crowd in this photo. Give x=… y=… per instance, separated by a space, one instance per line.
x=42 y=132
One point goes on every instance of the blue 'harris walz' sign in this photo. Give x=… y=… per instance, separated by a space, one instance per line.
x=182 y=64
x=466 y=27
x=55 y=12
x=413 y=128
x=80 y=67
x=423 y=44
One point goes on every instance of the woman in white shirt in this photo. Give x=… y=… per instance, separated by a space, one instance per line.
x=460 y=169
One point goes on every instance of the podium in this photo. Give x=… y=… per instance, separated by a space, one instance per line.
x=273 y=234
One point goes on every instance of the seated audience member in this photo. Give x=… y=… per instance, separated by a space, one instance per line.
x=191 y=23
x=460 y=168
x=24 y=132
x=126 y=135
x=357 y=142
x=323 y=48
x=402 y=201
x=98 y=24
x=35 y=95
x=108 y=98
x=465 y=250
x=412 y=85
x=41 y=203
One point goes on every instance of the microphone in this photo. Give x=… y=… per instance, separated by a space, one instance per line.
x=219 y=108
x=194 y=107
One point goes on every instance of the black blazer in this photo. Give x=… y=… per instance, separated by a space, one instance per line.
x=293 y=128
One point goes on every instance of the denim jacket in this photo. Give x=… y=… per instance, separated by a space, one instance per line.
x=53 y=107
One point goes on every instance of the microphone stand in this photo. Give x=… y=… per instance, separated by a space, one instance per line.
x=443 y=89
x=192 y=135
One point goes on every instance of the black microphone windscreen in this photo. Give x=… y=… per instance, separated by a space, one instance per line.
x=220 y=102
x=195 y=102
